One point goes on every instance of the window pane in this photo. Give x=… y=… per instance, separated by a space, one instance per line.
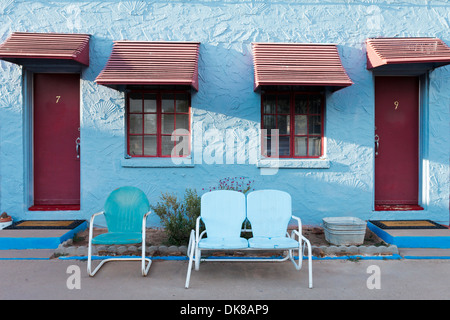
x=182 y=103
x=269 y=122
x=182 y=121
x=135 y=123
x=283 y=103
x=168 y=103
x=284 y=124
x=167 y=123
x=307 y=122
x=150 y=102
x=301 y=125
x=135 y=145
x=271 y=142
x=315 y=104
x=315 y=146
x=150 y=123
x=315 y=125
x=150 y=145
x=166 y=145
x=284 y=146
x=300 y=146
x=266 y=151
x=152 y=118
x=269 y=104
x=135 y=102
x=301 y=104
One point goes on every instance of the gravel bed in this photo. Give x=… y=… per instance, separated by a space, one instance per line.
x=68 y=249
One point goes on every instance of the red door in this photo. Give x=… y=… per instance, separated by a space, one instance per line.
x=56 y=100
x=396 y=143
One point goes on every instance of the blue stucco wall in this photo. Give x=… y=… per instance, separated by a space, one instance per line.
x=339 y=185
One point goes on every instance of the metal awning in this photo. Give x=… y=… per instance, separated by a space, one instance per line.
x=151 y=63
x=430 y=52
x=298 y=64
x=23 y=47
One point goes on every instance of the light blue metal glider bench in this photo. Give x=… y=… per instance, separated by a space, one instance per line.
x=125 y=211
x=269 y=213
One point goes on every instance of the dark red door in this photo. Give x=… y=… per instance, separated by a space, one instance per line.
x=397 y=141
x=56 y=100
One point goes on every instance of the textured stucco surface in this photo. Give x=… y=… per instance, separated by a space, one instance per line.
x=340 y=185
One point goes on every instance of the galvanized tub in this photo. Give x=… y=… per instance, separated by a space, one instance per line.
x=344 y=231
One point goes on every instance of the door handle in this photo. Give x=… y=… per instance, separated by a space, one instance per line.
x=377 y=144
x=77 y=147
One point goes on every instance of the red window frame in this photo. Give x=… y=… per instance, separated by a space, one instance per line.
x=159 y=113
x=292 y=113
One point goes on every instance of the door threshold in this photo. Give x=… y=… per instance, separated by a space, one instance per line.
x=397 y=207
x=55 y=207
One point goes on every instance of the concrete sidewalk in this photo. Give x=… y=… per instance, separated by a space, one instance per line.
x=333 y=279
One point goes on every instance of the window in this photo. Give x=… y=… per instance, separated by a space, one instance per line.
x=299 y=120
x=153 y=117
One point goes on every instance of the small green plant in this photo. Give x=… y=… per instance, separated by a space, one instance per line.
x=178 y=218
x=78 y=237
x=354 y=258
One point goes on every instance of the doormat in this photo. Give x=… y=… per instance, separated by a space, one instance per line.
x=407 y=224
x=45 y=224
x=397 y=207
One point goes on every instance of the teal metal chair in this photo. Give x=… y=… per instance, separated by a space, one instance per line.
x=126 y=210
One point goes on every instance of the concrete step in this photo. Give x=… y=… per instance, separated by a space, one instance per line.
x=27 y=254
x=424 y=253
x=21 y=239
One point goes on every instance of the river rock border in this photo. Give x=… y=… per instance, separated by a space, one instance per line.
x=68 y=249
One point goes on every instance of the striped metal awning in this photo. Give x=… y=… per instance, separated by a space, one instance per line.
x=21 y=47
x=298 y=64
x=393 y=51
x=151 y=63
